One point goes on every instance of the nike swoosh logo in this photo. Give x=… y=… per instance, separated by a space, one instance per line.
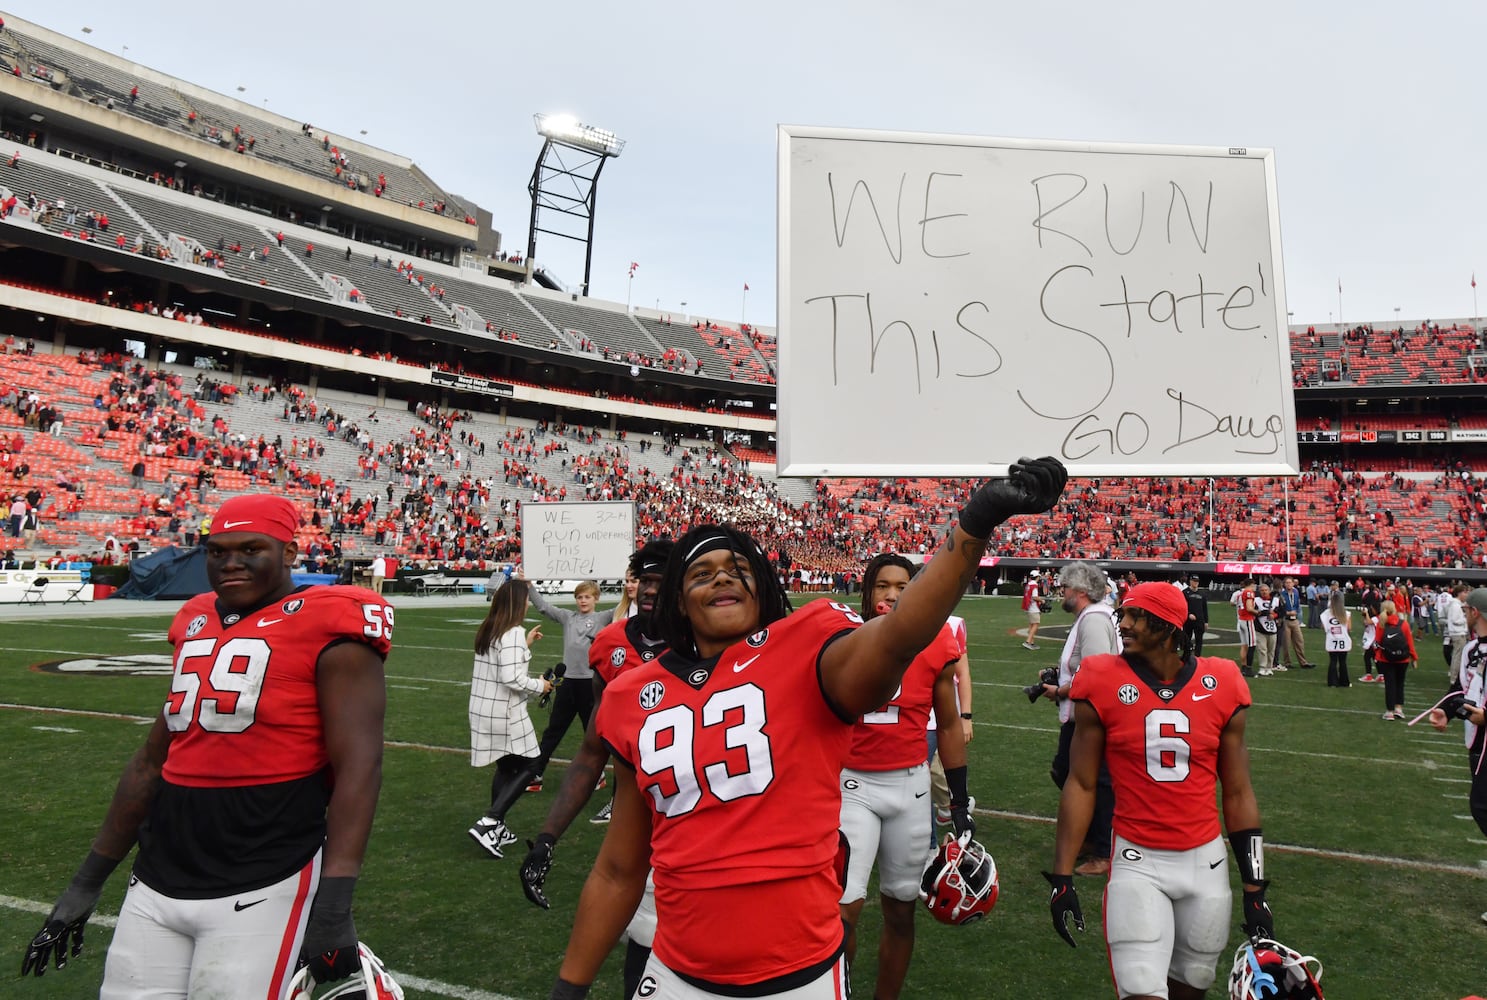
x=240 y=907
x=740 y=666
x=266 y=622
x=920 y=795
x=229 y=525
x=1216 y=864
x=1202 y=697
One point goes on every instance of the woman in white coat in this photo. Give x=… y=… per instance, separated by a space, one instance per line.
x=500 y=729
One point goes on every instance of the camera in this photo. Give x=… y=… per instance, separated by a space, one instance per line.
x=1049 y=675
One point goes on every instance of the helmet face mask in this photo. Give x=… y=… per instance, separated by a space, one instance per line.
x=373 y=982
x=1265 y=969
x=960 y=884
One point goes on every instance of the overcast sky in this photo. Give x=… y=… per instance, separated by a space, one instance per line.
x=1374 y=111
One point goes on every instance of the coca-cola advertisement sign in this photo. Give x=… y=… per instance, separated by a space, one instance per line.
x=1263 y=569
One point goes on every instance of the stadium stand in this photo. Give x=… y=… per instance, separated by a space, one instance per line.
x=123 y=450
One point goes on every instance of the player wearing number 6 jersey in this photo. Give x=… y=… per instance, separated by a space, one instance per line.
x=1170 y=726
x=729 y=749
x=252 y=798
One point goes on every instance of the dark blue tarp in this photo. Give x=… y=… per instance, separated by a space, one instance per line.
x=169 y=574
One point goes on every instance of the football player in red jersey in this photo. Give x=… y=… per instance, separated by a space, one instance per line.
x=885 y=783
x=627 y=643
x=1170 y=726
x=730 y=747
x=252 y=797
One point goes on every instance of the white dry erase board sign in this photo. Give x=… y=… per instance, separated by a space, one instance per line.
x=949 y=304
x=577 y=540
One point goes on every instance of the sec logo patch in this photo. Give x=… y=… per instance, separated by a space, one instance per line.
x=651 y=695
x=617 y=658
x=197 y=624
x=1128 y=694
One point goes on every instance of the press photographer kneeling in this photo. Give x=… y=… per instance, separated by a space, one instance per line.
x=1093 y=632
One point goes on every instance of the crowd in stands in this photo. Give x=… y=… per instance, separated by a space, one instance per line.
x=446 y=493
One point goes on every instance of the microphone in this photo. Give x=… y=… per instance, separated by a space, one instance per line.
x=554 y=674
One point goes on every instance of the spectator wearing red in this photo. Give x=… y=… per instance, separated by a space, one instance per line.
x=1394 y=653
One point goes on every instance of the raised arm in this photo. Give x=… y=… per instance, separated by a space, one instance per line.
x=861 y=671
x=543 y=605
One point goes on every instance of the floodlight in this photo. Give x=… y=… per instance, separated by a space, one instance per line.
x=570 y=131
x=568 y=190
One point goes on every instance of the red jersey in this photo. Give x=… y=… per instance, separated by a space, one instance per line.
x=739 y=757
x=243 y=702
x=893 y=736
x=957 y=627
x=246 y=778
x=1162 y=744
x=1030 y=594
x=1246 y=601
x=621 y=646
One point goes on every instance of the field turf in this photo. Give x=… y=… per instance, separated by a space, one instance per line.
x=1376 y=866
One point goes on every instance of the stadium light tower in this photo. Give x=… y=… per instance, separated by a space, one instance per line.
x=569 y=190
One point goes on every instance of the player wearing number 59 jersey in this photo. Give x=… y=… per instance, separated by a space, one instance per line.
x=252 y=798
x=1170 y=726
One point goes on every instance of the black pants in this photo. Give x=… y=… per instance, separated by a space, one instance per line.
x=636 y=955
x=1478 y=797
x=572 y=699
x=1337 y=670
x=510 y=779
x=1195 y=636
x=1393 y=683
x=1097 y=840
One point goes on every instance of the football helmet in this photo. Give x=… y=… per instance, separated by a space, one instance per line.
x=960 y=884
x=372 y=982
x=1265 y=969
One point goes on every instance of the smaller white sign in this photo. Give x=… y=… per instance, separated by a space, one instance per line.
x=583 y=540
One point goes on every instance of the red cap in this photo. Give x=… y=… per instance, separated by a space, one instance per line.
x=1161 y=599
x=263 y=515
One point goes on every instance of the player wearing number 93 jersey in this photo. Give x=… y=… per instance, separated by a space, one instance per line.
x=253 y=796
x=730 y=746
x=1170 y=726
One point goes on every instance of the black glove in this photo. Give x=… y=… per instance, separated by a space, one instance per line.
x=61 y=937
x=1258 y=920
x=534 y=869
x=330 y=947
x=961 y=820
x=1031 y=486
x=1063 y=902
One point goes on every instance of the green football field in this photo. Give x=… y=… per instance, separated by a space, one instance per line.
x=1376 y=865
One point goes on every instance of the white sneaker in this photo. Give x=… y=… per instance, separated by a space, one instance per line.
x=1029 y=645
x=602 y=816
x=1281 y=668
x=492 y=835
x=1266 y=671
x=1484 y=918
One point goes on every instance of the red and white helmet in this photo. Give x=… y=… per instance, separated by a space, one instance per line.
x=373 y=982
x=960 y=884
x=1265 y=969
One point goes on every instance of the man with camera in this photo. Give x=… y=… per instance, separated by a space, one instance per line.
x=1467 y=703
x=1093 y=633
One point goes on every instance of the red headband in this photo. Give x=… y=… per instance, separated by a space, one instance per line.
x=275 y=517
x=1161 y=599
